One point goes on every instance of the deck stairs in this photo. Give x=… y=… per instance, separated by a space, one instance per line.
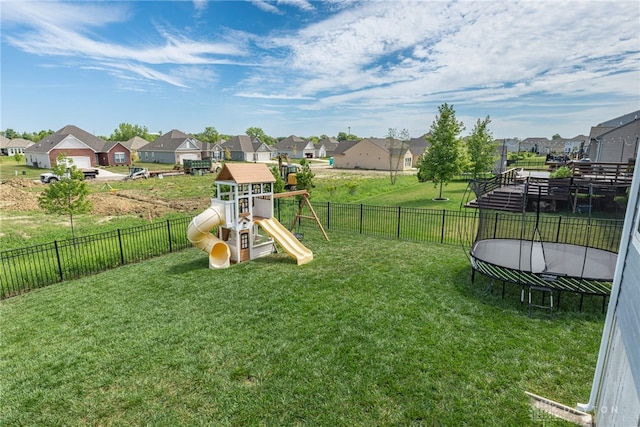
x=511 y=199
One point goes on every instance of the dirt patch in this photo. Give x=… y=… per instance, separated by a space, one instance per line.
x=19 y=195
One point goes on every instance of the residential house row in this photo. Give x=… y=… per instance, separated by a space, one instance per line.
x=615 y=140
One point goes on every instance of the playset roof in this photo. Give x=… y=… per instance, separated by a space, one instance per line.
x=245 y=173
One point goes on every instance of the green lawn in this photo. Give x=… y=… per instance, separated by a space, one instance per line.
x=372 y=332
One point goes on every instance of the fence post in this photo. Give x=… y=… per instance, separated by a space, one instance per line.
x=361 y=217
x=399 y=219
x=444 y=213
x=120 y=245
x=558 y=231
x=278 y=209
x=55 y=243
x=328 y=215
x=169 y=234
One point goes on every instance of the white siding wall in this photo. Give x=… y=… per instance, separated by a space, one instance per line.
x=618 y=400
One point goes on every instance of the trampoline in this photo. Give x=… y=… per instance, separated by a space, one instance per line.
x=540 y=252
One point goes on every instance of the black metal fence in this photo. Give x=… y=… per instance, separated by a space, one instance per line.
x=36 y=266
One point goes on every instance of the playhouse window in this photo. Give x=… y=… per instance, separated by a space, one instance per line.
x=244 y=240
x=243 y=204
x=255 y=189
x=267 y=187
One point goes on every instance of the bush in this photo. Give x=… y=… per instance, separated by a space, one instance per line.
x=561 y=172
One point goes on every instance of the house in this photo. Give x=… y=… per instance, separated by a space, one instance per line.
x=213 y=151
x=533 y=145
x=134 y=144
x=615 y=391
x=615 y=140
x=330 y=145
x=296 y=148
x=242 y=149
x=418 y=146
x=373 y=153
x=86 y=150
x=4 y=141
x=171 y=148
x=17 y=146
x=113 y=153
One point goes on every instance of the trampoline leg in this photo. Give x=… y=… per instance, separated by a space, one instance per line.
x=604 y=304
x=558 y=302
x=522 y=296
x=581 y=298
x=489 y=288
x=473 y=275
x=503 y=283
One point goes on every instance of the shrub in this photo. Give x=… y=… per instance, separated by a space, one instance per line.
x=561 y=172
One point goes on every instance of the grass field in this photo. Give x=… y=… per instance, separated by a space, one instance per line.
x=372 y=332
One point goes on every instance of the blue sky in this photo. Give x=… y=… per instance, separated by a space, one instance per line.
x=295 y=67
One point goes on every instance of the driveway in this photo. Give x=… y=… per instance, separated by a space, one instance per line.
x=104 y=174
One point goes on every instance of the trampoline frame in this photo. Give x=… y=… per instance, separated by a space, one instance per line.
x=540 y=279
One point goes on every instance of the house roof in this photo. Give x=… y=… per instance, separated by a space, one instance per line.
x=418 y=145
x=108 y=145
x=344 y=146
x=4 y=141
x=135 y=143
x=390 y=145
x=170 y=142
x=621 y=120
x=240 y=143
x=19 y=143
x=245 y=173
x=291 y=142
x=50 y=142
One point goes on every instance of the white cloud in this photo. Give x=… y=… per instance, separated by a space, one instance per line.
x=392 y=52
x=66 y=29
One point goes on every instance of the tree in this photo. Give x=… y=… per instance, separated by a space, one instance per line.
x=481 y=148
x=556 y=136
x=126 y=131
x=11 y=134
x=443 y=160
x=304 y=177
x=398 y=144
x=18 y=157
x=210 y=135
x=256 y=132
x=68 y=196
x=278 y=186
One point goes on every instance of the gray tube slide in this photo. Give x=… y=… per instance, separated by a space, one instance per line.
x=199 y=234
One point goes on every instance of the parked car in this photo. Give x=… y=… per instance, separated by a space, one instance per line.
x=49 y=177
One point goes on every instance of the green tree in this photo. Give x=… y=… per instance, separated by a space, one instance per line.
x=443 y=160
x=556 y=136
x=304 y=177
x=481 y=148
x=11 y=134
x=210 y=135
x=278 y=186
x=68 y=196
x=18 y=157
x=398 y=144
x=38 y=136
x=126 y=131
x=256 y=132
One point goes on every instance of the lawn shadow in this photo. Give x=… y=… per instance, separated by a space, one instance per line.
x=503 y=296
x=200 y=263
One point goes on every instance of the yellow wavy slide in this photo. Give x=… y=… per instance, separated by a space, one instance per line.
x=199 y=234
x=286 y=240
